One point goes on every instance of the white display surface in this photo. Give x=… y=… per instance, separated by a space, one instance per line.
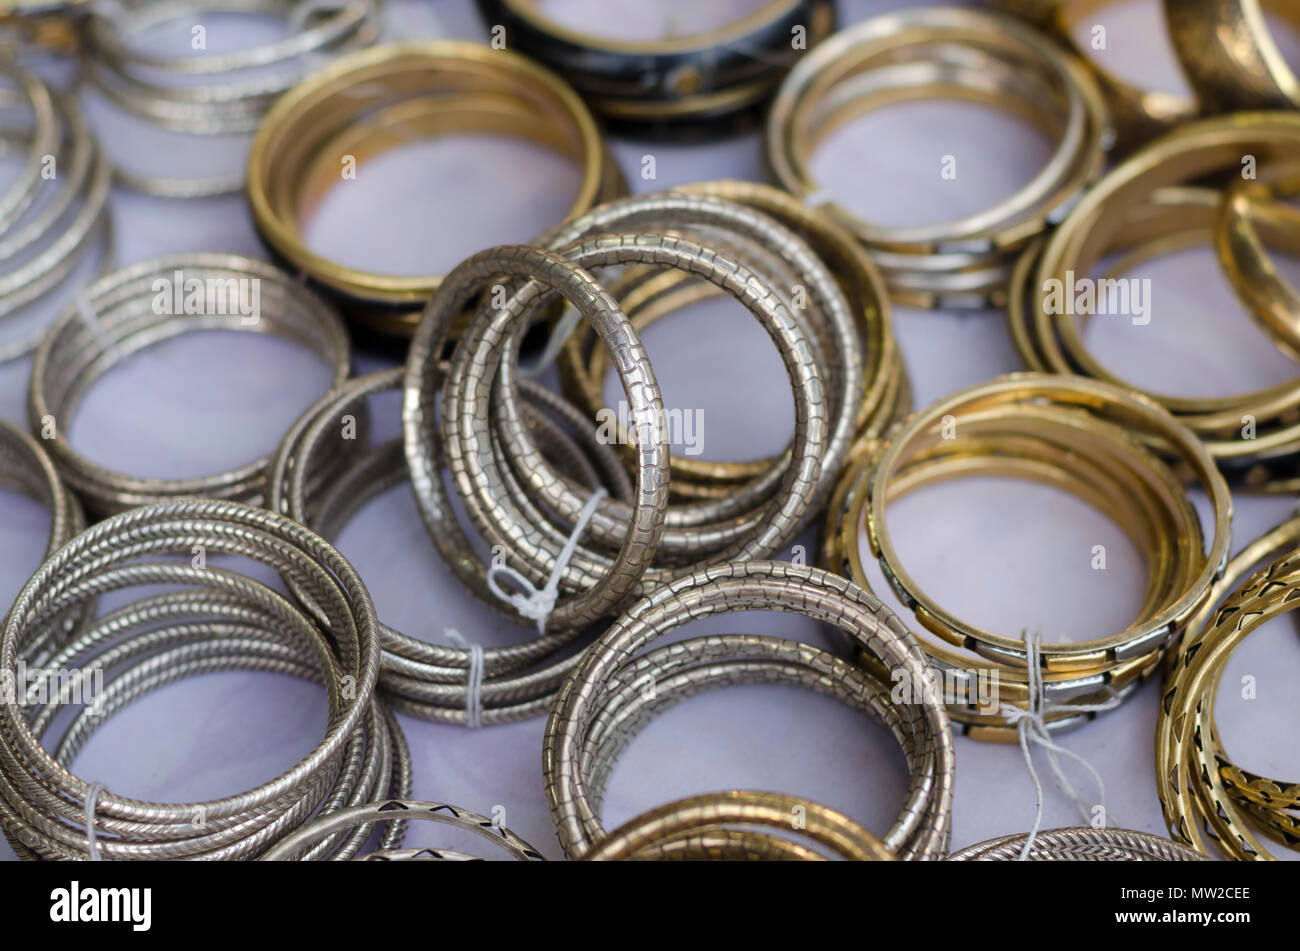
x=1007 y=555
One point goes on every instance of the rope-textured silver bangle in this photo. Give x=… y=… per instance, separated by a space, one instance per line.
x=210 y=618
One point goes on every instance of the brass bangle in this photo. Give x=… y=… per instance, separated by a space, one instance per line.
x=1202 y=793
x=1138 y=115
x=645 y=836
x=1075 y=438
x=1248 y=206
x=48 y=24
x=368 y=102
x=1143 y=201
x=1229 y=55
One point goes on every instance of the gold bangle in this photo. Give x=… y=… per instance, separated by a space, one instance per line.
x=643 y=836
x=1088 y=439
x=1143 y=200
x=49 y=24
x=1202 y=793
x=370 y=101
x=1229 y=55
x=1247 y=206
x=1139 y=115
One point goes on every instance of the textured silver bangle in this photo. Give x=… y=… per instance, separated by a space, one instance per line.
x=52 y=214
x=922 y=829
x=1083 y=844
x=424 y=679
x=25 y=467
x=209 y=618
x=235 y=89
x=293 y=846
x=119 y=315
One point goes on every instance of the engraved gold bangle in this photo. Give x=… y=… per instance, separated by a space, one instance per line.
x=1251 y=210
x=1190 y=800
x=1144 y=199
x=1138 y=115
x=369 y=102
x=1229 y=55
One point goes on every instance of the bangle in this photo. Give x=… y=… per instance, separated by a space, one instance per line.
x=706 y=83
x=208 y=618
x=319 y=481
x=1083 y=844
x=162 y=89
x=1138 y=115
x=1213 y=794
x=53 y=214
x=25 y=467
x=982 y=56
x=1273 y=302
x=1228 y=53
x=365 y=816
x=1143 y=202
x=660 y=832
x=370 y=101
x=600 y=706
x=753 y=224
x=120 y=315
x=1084 y=437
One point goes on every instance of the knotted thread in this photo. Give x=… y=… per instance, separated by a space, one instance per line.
x=92 y=799
x=473 y=679
x=1031 y=724
x=537 y=604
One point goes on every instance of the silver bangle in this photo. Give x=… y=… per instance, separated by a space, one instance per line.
x=1083 y=844
x=117 y=317
x=599 y=679
x=223 y=104
x=292 y=846
x=218 y=620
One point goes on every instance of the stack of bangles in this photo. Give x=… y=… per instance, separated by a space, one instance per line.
x=692 y=86
x=235 y=89
x=648 y=295
x=616 y=689
x=1103 y=444
x=207 y=619
x=145 y=305
x=369 y=102
x=516 y=499
x=1146 y=207
x=966 y=54
x=1206 y=797
x=55 y=211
